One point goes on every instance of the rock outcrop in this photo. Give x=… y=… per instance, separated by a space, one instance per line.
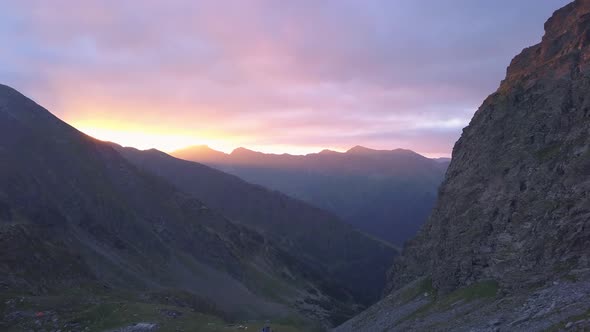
x=515 y=204
x=508 y=244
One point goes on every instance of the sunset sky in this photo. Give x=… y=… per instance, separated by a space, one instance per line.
x=277 y=76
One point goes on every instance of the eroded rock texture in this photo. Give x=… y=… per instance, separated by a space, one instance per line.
x=515 y=204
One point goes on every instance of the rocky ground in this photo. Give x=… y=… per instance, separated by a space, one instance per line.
x=561 y=305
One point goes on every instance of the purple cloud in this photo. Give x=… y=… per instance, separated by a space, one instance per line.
x=303 y=74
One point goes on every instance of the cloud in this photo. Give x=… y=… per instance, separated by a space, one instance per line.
x=387 y=74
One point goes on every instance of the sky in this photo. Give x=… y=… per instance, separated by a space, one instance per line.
x=292 y=76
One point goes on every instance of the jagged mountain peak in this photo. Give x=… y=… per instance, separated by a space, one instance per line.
x=562 y=52
x=567 y=20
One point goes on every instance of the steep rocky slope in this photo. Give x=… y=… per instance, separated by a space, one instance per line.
x=386 y=193
x=508 y=244
x=75 y=214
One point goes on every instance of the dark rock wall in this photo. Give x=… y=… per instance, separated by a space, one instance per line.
x=515 y=204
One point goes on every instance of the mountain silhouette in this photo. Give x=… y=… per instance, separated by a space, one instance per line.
x=386 y=193
x=76 y=214
x=357 y=262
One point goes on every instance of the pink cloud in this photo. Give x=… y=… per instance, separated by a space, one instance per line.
x=385 y=74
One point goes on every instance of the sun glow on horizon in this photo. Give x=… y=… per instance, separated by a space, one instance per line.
x=153 y=138
x=169 y=141
x=150 y=139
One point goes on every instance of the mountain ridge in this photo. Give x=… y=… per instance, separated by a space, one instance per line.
x=185 y=153
x=386 y=193
x=77 y=216
x=295 y=224
x=506 y=247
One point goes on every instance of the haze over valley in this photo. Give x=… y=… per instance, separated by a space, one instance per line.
x=387 y=194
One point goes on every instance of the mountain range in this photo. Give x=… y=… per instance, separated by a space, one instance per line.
x=385 y=193
x=315 y=236
x=85 y=226
x=99 y=237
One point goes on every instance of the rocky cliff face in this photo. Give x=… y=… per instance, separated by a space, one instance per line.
x=515 y=204
x=509 y=238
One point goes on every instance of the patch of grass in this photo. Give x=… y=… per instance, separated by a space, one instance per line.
x=561 y=325
x=423 y=286
x=478 y=291
x=97 y=312
x=549 y=152
x=266 y=285
x=565 y=266
x=570 y=278
x=107 y=315
x=548 y=205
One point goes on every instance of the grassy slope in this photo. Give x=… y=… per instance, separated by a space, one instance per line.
x=93 y=308
x=418 y=301
x=335 y=250
x=73 y=210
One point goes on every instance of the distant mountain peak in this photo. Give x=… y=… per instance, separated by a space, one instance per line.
x=328 y=151
x=242 y=151
x=358 y=149
x=361 y=150
x=200 y=153
x=202 y=147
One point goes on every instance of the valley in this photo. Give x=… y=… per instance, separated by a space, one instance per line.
x=75 y=211
x=146 y=228
x=387 y=194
